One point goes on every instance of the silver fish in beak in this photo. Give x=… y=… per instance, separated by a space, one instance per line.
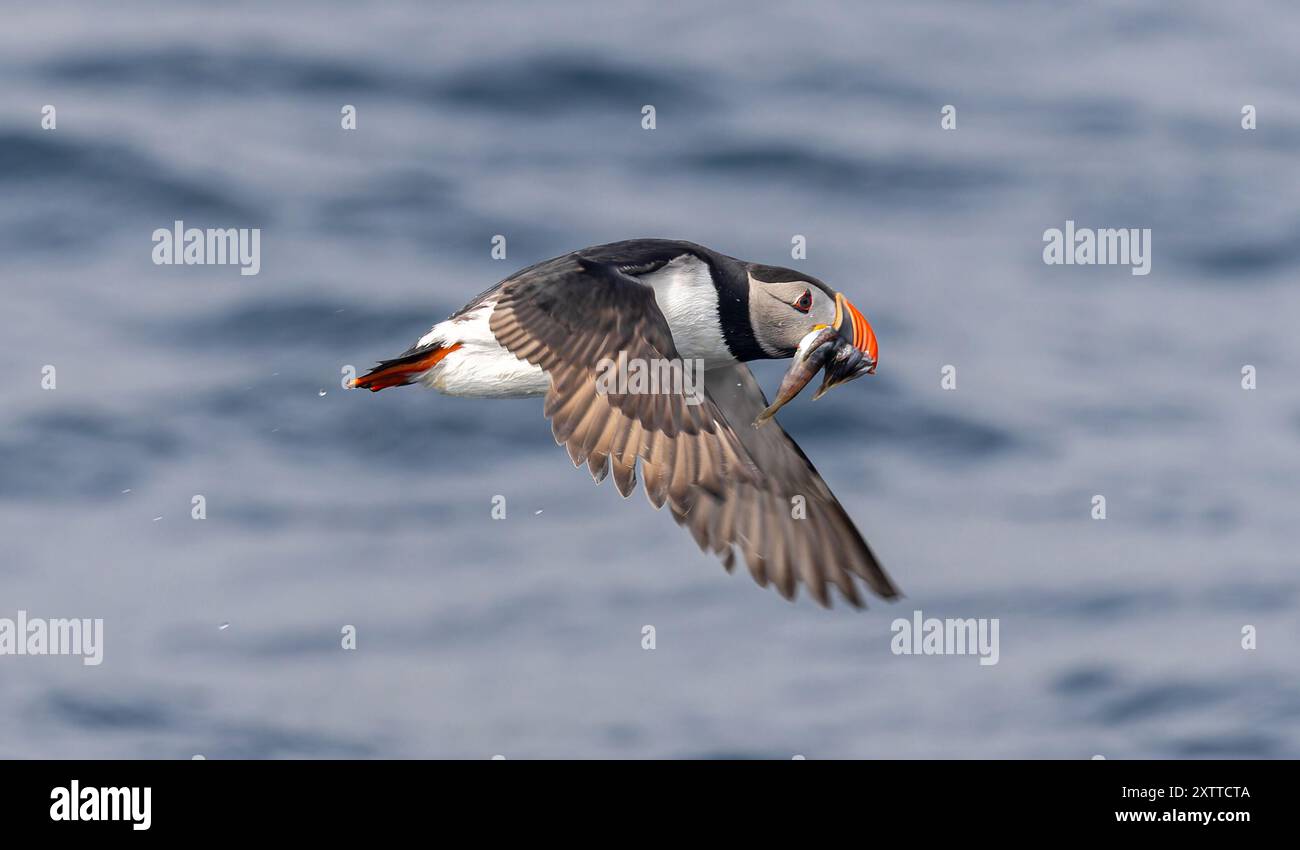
x=814 y=351
x=845 y=363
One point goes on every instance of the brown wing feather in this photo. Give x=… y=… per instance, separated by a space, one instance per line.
x=822 y=547
x=731 y=487
x=566 y=316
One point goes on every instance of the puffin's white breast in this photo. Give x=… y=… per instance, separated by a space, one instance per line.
x=482 y=368
x=688 y=299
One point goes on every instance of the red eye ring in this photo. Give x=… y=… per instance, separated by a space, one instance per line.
x=804 y=304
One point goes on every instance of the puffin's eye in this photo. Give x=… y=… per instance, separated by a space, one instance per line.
x=804 y=304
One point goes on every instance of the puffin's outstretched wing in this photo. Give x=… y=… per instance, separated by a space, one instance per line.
x=569 y=314
x=730 y=484
x=783 y=539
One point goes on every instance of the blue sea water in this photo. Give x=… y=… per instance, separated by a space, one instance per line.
x=325 y=508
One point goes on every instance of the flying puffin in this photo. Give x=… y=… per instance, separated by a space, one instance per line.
x=545 y=330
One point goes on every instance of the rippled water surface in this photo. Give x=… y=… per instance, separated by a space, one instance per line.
x=523 y=637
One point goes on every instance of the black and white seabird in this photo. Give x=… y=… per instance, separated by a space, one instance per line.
x=546 y=330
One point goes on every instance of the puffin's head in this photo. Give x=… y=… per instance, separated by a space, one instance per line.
x=786 y=305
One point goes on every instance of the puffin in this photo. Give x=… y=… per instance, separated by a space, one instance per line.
x=554 y=329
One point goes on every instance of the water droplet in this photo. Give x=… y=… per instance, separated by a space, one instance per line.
x=539 y=513
x=127 y=490
x=498 y=757
x=224 y=626
x=198 y=757
x=155 y=519
x=321 y=393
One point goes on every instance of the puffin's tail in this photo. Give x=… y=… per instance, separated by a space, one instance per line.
x=402 y=370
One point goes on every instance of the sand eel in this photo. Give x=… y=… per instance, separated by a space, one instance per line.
x=551 y=329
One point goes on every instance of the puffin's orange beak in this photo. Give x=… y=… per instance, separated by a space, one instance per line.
x=855 y=328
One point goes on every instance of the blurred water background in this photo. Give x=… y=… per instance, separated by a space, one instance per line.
x=522 y=637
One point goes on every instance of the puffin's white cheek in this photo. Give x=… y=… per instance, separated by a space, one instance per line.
x=825 y=313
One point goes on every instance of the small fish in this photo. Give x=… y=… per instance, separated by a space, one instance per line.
x=813 y=352
x=847 y=363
